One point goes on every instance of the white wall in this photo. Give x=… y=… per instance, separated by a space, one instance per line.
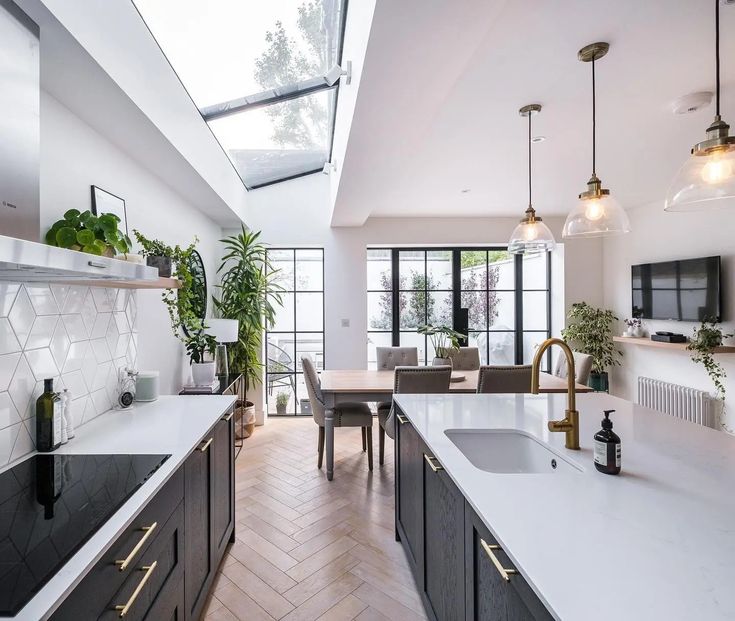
x=74 y=157
x=659 y=236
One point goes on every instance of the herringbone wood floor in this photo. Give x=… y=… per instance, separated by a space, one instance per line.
x=307 y=548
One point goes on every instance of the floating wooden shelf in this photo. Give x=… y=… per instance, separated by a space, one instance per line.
x=160 y=283
x=647 y=342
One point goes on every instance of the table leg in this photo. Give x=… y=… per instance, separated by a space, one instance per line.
x=329 y=441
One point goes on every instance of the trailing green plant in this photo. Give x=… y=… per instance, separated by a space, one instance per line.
x=702 y=345
x=86 y=232
x=198 y=344
x=153 y=247
x=248 y=293
x=589 y=330
x=282 y=399
x=443 y=338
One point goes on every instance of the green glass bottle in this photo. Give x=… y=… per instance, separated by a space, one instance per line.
x=48 y=419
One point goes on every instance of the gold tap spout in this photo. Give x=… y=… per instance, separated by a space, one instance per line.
x=570 y=424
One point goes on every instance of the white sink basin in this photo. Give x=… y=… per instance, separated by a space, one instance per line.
x=508 y=451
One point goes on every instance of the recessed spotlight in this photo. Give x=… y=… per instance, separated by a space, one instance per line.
x=465 y=191
x=538 y=139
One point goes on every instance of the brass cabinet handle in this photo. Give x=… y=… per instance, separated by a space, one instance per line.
x=148 y=569
x=147 y=532
x=228 y=417
x=505 y=573
x=433 y=463
x=401 y=419
x=205 y=446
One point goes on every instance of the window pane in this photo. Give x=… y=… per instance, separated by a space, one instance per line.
x=413 y=309
x=284 y=314
x=311 y=345
x=501 y=270
x=377 y=339
x=479 y=340
x=281 y=353
x=310 y=315
x=411 y=269
x=502 y=347
x=279 y=140
x=309 y=270
x=380 y=311
x=476 y=304
x=474 y=269
x=535 y=310
x=413 y=339
x=534 y=271
x=379 y=270
x=440 y=308
x=531 y=341
x=501 y=310
x=439 y=269
x=282 y=264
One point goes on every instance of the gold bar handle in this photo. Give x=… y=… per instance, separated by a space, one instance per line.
x=433 y=463
x=205 y=446
x=401 y=419
x=148 y=531
x=148 y=569
x=505 y=573
x=228 y=417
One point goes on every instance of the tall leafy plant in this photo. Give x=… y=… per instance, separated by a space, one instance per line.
x=249 y=294
x=590 y=331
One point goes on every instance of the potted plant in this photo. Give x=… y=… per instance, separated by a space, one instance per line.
x=705 y=340
x=156 y=253
x=282 y=399
x=589 y=330
x=248 y=292
x=198 y=345
x=86 y=232
x=444 y=340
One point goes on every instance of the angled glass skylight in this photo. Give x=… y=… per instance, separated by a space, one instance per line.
x=264 y=75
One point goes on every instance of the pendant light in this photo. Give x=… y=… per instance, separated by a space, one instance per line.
x=531 y=236
x=597 y=213
x=709 y=173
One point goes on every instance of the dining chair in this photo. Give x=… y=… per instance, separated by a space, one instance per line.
x=410 y=380
x=465 y=358
x=388 y=358
x=510 y=379
x=582 y=367
x=345 y=415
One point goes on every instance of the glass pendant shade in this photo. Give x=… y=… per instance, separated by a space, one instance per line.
x=703 y=179
x=596 y=217
x=531 y=238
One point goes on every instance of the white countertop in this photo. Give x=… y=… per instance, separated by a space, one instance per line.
x=655 y=542
x=171 y=425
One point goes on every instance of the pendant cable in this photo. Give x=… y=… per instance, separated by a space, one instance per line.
x=717 y=54
x=530 y=203
x=594 y=121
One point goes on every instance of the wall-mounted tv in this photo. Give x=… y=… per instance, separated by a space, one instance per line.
x=687 y=290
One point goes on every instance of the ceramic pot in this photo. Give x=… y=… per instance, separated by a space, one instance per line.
x=599 y=382
x=441 y=362
x=162 y=263
x=202 y=373
x=281 y=409
x=638 y=332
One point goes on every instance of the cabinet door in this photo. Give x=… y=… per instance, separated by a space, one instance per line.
x=198 y=502
x=492 y=595
x=409 y=486
x=223 y=486
x=444 y=543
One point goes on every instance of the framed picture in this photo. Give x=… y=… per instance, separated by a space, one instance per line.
x=106 y=202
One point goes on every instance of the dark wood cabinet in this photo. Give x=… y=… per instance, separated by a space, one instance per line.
x=409 y=506
x=223 y=485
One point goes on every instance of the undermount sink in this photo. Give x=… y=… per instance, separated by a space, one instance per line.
x=508 y=451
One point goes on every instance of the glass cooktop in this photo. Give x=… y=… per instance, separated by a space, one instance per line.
x=50 y=505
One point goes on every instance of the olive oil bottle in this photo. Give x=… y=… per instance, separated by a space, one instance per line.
x=48 y=419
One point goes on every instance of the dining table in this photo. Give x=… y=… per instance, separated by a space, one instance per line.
x=350 y=385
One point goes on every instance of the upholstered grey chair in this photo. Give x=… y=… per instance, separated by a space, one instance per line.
x=582 y=367
x=465 y=359
x=345 y=415
x=410 y=380
x=514 y=379
x=388 y=358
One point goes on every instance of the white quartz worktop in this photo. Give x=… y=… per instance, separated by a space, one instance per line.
x=655 y=542
x=171 y=425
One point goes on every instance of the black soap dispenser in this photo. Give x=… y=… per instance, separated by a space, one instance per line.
x=607 y=447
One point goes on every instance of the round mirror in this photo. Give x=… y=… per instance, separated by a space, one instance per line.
x=198 y=290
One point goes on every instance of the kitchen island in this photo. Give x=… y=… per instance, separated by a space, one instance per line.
x=655 y=542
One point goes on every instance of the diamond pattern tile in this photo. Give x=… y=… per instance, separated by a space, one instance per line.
x=102 y=300
x=22 y=385
x=22 y=316
x=8 y=292
x=8 y=413
x=60 y=344
x=42 y=331
x=8 y=342
x=60 y=292
x=44 y=302
x=75 y=328
x=8 y=363
x=42 y=363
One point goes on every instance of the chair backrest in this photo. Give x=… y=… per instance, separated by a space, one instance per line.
x=314 y=388
x=420 y=380
x=388 y=358
x=466 y=358
x=513 y=379
x=582 y=367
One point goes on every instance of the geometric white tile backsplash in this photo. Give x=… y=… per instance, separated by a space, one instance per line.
x=78 y=335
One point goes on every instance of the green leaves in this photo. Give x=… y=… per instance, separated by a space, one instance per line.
x=703 y=343
x=589 y=330
x=88 y=233
x=66 y=237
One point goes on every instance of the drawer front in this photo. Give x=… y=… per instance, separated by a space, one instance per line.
x=223 y=485
x=93 y=594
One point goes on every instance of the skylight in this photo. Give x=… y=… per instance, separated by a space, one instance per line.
x=264 y=76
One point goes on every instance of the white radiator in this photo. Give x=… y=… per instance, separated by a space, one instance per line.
x=689 y=404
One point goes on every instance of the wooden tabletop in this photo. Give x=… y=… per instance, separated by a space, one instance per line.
x=381 y=382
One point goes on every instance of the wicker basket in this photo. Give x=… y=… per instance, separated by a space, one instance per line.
x=248 y=412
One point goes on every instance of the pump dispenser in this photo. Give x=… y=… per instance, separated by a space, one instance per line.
x=607 y=447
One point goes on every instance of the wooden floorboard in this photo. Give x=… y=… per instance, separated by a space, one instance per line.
x=308 y=549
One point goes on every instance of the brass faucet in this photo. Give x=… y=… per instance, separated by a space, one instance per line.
x=570 y=424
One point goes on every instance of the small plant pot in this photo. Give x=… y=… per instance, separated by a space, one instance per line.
x=441 y=362
x=202 y=373
x=281 y=409
x=599 y=382
x=162 y=263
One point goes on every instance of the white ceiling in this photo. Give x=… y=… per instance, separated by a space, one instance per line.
x=437 y=110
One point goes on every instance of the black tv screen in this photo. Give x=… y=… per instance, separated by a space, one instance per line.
x=687 y=290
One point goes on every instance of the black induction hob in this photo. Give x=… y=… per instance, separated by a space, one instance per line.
x=50 y=505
